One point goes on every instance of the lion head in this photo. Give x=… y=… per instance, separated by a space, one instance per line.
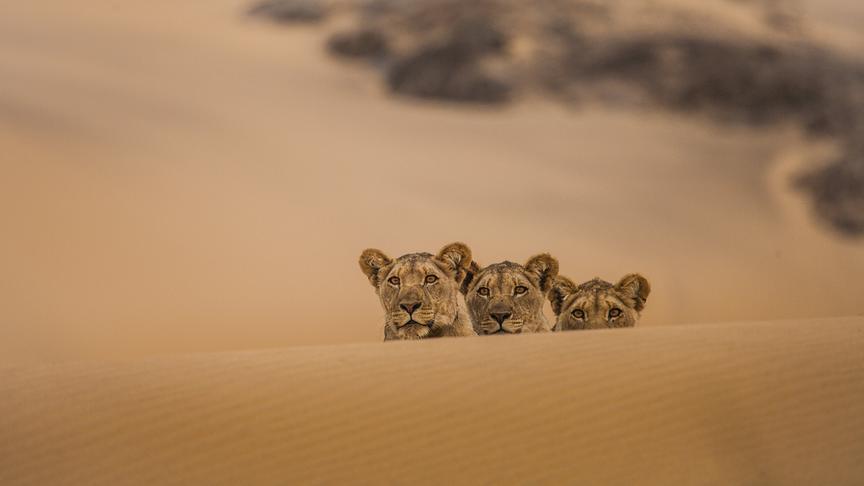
x=420 y=292
x=598 y=304
x=507 y=297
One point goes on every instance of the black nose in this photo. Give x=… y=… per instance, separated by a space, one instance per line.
x=500 y=317
x=410 y=307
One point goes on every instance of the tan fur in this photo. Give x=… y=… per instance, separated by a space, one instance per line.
x=414 y=306
x=592 y=305
x=495 y=303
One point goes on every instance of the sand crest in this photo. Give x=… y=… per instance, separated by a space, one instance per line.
x=753 y=403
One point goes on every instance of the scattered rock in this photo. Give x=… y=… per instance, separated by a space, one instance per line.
x=362 y=43
x=750 y=83
x=478 y=36
x=447 y=50
x=290 y=11
x=448 y=72
x=837 y=192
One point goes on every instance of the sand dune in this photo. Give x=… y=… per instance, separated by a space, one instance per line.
x=176 y=177
x=755 y=403
x=181 y=177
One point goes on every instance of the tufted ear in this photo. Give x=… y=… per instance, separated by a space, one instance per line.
x=636 y=288
x=545 y=268
x=456 y=258
x=371 y=262
x=562 y=287
x=471 y=274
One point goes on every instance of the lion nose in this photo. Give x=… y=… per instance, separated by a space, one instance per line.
x=500 y=317
x=410 y=307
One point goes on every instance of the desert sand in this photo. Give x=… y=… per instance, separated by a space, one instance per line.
x=180 y=177
x=750 y=403
x=178 y=180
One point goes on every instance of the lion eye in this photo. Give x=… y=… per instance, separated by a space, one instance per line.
x=430 y=279
x=520 y=290
x=613 y=313
x=483 y=291
x=393 y=280
x=579 y=314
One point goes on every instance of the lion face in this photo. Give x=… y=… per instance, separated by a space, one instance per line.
x=598 y=304
x=419 y=292
x=508 y=297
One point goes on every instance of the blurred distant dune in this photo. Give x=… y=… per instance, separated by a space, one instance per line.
x=181 y=176
x=743 y=62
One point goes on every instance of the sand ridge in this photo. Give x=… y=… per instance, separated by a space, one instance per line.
x=750 y=403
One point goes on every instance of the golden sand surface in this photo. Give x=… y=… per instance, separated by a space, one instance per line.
x=178 y=177
x=751 y=403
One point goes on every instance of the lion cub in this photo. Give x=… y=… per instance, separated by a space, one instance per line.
x=598 y=304
x=508 y=298
x=420 y=292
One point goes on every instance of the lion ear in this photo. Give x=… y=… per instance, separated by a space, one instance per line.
x=470 y=275
x=561 y=288
x=371 y=263
x=545 y=268
x=636 y=288
x=456 y=258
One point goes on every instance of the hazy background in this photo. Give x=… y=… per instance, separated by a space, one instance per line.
x=181 y=177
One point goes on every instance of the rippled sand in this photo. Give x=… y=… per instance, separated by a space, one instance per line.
x=755 y=403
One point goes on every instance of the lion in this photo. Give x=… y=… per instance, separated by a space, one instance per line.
x=508 y=298
x=420 y=292
x=598 y=304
